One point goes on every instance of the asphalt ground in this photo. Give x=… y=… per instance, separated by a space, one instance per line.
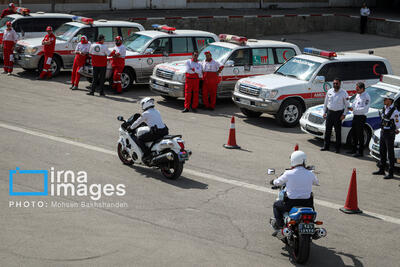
x=215 y=214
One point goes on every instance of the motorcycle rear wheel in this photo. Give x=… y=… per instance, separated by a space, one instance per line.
x=174 y=168
x=301 y=249
x=123 y=155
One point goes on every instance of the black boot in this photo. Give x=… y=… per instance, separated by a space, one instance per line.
x=389 y=176
x=380 y=172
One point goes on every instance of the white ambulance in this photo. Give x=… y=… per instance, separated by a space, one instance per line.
x=29 y=53
x=146 y=49
x=30 y=25
x=303 y=82
x=239 y=56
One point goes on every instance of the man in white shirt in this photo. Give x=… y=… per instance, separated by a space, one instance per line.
x=194 y=72
x=360 y=107
x=211 y=70
x=152 y=118
x=299 y=183
x=335 y=108
x=389 y=128
x=10 y=38
x=364 y=13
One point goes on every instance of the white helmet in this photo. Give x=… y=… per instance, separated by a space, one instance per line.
x=298 y=158
x=147 y=103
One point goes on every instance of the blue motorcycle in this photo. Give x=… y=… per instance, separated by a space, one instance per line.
x=300 y=228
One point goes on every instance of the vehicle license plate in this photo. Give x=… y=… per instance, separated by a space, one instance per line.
x=306 y=228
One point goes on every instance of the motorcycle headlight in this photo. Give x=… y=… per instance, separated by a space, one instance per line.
x=268 y=94
x=180 y=77
x=31 y=50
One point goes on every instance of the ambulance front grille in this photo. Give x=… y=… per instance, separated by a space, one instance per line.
x=249 y=90
x=164 y=74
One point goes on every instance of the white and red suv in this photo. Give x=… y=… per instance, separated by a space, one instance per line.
x=239 y=56
x=146 y=49
x=29 y=52
x=303 y=82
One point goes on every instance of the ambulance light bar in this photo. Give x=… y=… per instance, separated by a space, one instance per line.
x=232 y=39
x=318 y=52
x=22 y=10
x=83 y=20
x=163 y=28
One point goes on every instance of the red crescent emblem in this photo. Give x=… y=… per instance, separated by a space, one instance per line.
x=284 y=55
x=374 y=69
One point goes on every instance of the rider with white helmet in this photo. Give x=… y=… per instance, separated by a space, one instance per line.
x=152 y=118
x=299 y=181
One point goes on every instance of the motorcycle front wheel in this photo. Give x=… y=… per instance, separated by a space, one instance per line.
x=174 y=168
x=124 y=156
x=301 y=249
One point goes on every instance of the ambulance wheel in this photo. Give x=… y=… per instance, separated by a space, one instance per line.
x=290 y=113
x=167 y=97
x=250 y=113
x=55 y=66
x=127 y=79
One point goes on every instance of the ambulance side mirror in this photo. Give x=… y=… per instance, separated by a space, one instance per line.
x=75 y=39
x=319 y=79
x=230 y=63
x=149 y=51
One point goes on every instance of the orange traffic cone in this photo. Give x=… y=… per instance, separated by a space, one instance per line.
x=351 y=205
x=232 y=136
x=296 y=147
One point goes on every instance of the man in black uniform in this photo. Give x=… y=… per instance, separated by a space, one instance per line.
x=389 y=128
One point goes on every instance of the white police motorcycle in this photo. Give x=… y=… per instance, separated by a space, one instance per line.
x=168 y=153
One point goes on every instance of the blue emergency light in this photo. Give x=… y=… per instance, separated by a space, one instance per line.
x=319 y=52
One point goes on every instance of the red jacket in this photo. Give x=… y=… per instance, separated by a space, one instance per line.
x=49 y=49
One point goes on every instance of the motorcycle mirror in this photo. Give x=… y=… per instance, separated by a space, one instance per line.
x=271 y=171
x=120 y=118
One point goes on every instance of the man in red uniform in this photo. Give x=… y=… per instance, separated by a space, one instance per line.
x=8 y=11
x=81 y=51
x=211 y=70
x=194 y=73
x=10 y=37
x=118 y=63
x=99 y=53
x=49 y=43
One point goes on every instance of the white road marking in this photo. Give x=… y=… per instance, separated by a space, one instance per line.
x=190 y=172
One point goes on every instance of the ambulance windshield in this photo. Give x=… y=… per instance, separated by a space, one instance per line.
x=298 y=68
x=137 y=42
x=218 y=53
x=65 y=32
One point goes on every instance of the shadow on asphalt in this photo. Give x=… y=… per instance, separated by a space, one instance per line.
x=182 y=182
x=269 y=122
x=327 y=257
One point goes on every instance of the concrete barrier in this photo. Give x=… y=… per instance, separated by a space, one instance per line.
x=254 y=26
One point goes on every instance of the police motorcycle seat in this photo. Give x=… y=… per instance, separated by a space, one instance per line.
x=167 y=137
x=296 y=212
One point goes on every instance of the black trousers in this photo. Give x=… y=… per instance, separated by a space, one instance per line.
x=99 y=75
x=357 y=132
x=150 y=136
x=386 y=148
x=363 y=24
x=282 y=206
x=333 y=120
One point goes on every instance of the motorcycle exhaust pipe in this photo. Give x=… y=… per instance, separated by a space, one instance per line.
x=319 y=233
x=287 y=232
x=164 y=158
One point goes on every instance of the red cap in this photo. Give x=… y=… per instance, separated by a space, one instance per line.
x=8 y=23
x=207 y=53
x=11 y=5
x=118 y=38
x=49 y=28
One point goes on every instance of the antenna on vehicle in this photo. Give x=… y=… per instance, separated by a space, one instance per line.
x=371 y=52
